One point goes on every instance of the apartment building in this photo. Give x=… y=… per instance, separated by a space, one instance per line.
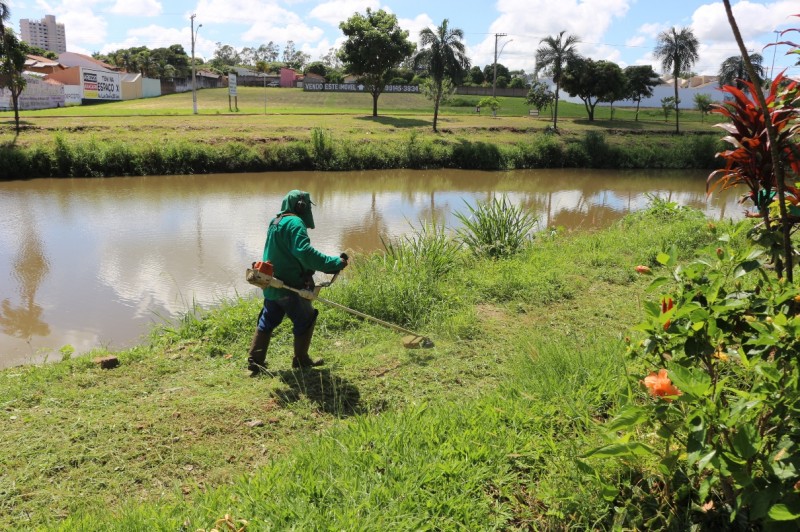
x=45 y=33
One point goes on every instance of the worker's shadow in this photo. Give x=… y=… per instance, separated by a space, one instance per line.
x=330 y=393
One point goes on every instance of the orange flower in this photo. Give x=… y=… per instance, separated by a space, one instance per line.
x=643 y=269
x=659 y=385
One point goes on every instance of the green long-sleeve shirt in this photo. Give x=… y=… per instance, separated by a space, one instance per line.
x=291 y=253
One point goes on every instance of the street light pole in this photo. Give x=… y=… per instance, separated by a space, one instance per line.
x=496 y=57
x=194 y=82
x=494 y=77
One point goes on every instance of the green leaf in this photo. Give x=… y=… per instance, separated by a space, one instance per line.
x=617 y=450
x=745 y=267
x=746 y=441
x=627 y=418
x=693 y=382
x=663 y=258
x=782 y=512
x=657 y=283
x=703 y=462
x=609 y=492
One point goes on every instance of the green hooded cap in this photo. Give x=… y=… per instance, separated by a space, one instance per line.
x=289 y=205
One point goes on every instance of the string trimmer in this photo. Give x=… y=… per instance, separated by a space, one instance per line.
x=261 y=275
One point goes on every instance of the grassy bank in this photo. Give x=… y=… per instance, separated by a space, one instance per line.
x=333 y=131
x=481 y=431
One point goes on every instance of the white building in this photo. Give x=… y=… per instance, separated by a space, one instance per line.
x=45 y=33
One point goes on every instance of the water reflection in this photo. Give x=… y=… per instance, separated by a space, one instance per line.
x=24 y=321
x=92 y=262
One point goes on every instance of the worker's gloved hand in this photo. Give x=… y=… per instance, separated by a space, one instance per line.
x=345 y=259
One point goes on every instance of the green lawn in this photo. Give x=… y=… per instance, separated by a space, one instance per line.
x=481 y=431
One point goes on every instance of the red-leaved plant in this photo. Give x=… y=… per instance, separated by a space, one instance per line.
x=749 y=161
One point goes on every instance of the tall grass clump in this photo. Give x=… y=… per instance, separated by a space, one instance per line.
x=430 y=245
x=322 y=148
x=496 y=228
x=408 y=284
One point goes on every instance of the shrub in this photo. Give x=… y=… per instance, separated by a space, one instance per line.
x=719 y=396
x=496 y=228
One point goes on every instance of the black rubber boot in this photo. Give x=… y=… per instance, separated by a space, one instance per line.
x=257 y=361
x=301 y=345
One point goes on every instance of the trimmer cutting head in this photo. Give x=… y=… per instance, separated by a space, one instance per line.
x=413 y=341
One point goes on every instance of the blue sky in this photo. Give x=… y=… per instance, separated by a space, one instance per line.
x=623 y=31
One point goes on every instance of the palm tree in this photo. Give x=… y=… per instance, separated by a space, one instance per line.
x=5 y=16
x=444 y=55
x=553 y=57
x=677 y=52
x=733 y=72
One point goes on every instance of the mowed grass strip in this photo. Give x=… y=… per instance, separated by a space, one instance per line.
x=293 y=112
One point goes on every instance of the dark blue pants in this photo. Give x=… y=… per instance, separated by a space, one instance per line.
x=299 y=310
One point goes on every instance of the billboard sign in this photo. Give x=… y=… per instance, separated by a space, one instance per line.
x=355 y=87
x=231 y=84
x=100 y=85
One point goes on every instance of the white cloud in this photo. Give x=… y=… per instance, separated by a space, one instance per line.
x=415 y=25
x=84 y=28
x=298 y=32
x=527 y=22
x=635 y=41
x=138 y=8
x=756 y=22
x=338 y=10
x=710 y=23
x=243 y=12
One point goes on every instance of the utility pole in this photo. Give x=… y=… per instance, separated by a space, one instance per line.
x=494 y=78
x=774 y=49
x=194 y=83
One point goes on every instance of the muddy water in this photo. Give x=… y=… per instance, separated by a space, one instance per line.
x=94 y=262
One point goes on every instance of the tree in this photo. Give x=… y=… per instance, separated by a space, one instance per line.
x=703 y=103
x=225 y=56
x=318 y=68
x=502 y=72
x=263 y=67
x=733 y=72
x=641 y=82
x=517 y=83
x=12 y=65
x=5 y=16
x=539 y=96
x=266 y=52
x=444 y=56
x=476 y=75
x=677 y=52
x=491 y=102
x=668 y=105
x=375 y=44
x=146 y=63
x=592 y=81
x=553 y=57
x=294 y=59
x=331 y=59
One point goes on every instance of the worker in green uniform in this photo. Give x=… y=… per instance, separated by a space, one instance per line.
x=294 y=261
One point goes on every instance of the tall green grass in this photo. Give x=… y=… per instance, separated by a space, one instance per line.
x=496 y=228
x=547 y=325
x=324 y=151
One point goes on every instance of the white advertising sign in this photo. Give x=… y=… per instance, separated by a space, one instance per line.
x=232 y=84
x=100 y=85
